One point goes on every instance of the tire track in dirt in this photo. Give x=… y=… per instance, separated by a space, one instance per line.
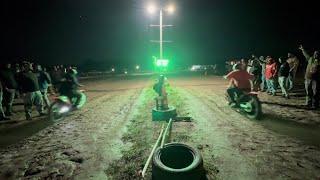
x=79 y=147
x=266 y=154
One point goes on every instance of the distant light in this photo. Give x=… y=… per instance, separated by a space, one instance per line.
x=137 y=67
x=126 y=72
x=171 y=8
x=162 y=62
x=112 y=69
x=151 y=8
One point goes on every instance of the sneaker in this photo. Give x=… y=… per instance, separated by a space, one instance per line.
x=29 y=118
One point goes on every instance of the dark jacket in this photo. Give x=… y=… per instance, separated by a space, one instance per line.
x=284 y=70
x=8 y=79
x=28 y=82
x=43 y=79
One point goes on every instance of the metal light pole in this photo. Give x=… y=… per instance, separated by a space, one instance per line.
x=161 y=40
x=161 y=26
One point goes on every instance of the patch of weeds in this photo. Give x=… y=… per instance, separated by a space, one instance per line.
x=141 y=134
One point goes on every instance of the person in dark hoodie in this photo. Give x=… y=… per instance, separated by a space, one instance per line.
x=283 y=75
x=9 y=87
x=29 y=85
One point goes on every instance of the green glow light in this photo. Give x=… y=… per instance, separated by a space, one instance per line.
x=162 y=62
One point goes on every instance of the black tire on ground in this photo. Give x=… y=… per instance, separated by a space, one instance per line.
x=176 y=161
x=256 y=108
x=54 y=114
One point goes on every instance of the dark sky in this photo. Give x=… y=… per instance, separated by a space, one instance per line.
x=117 y=32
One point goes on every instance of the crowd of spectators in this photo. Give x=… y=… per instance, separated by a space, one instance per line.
x=30 y=82
x=271 y=73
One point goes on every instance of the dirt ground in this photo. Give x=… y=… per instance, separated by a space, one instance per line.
x=112 y=136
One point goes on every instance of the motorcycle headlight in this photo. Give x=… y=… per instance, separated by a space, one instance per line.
x=64 y=109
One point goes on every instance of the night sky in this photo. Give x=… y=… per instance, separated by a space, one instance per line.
x=117 y=31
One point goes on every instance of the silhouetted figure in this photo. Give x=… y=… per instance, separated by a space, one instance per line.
x=284 y=70
x=312 y=78
x=293 y=62
x=9 y=87
x=29 y=84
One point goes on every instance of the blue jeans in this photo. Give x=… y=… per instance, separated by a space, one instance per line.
x=263 y=84
x=271 y=86
x=313 y=92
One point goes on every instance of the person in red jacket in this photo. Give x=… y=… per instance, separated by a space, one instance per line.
x=271 y=75
x=240 y=81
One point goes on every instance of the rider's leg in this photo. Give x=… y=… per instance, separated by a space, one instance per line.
x=78 y=96
x=232 y=92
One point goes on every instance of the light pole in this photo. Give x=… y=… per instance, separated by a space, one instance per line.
x=152 y=9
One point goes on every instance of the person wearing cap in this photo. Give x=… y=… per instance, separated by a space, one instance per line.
x=29 y=85
x=312 y=78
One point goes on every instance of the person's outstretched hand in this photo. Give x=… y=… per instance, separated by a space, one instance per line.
x=301 y=47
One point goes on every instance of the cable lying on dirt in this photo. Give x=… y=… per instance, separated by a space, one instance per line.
x=166 y=133
x=151 y=154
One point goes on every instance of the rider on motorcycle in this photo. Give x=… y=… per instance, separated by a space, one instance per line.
x=240 y=81
x=69 y=87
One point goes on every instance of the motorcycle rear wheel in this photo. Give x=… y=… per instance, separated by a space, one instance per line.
x=255 y=107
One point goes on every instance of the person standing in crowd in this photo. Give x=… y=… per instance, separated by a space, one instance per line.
x=9 y=87
x=271 y=74
x=2 y=115
x=244 y=64
x=17 y=71
x=256 y=71
x=31 y=91
x=283 y=75
x=293 y=62
x=312 y=78
x=263 y=84
x=44 y=81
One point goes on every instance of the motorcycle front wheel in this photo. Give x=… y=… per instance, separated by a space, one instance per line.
x=57 y=111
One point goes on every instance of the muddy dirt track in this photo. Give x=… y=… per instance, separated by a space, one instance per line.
x=110 y=138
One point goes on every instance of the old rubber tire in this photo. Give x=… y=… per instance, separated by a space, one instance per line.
x=177 y=161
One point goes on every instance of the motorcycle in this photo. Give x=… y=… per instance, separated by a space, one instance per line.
x=248 y=104
x=63 y=105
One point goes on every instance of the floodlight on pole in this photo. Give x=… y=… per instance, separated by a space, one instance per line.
x=171 y=8
x=151 y=8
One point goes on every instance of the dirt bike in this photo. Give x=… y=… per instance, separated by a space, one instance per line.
x=63 y=105
x=248 y=104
